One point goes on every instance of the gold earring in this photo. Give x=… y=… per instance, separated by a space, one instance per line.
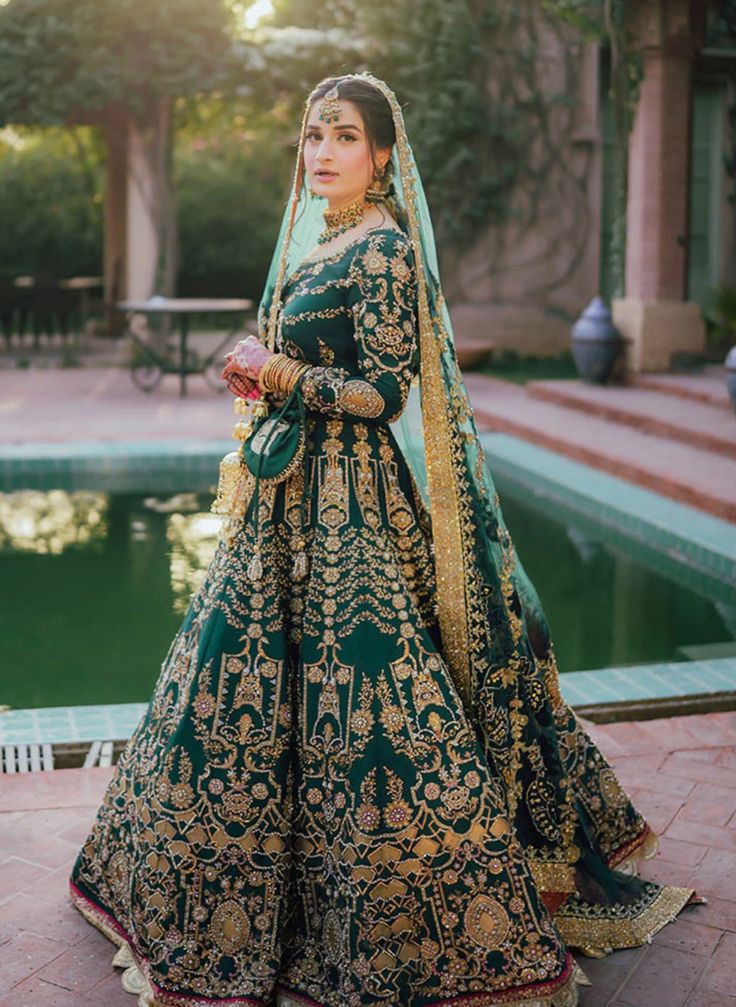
x=376 y=191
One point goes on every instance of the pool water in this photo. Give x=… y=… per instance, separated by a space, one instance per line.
x=94 y=586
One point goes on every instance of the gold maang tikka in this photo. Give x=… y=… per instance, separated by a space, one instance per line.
x=329 y=107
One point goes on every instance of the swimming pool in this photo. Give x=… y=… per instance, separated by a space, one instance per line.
x=96 y=580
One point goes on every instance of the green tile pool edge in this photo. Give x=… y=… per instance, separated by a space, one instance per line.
x=602 y=687
x=679 y=534
x=665 y=530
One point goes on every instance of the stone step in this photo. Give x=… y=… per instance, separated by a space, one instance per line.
x=701 y=423
x=692 y=475
x=708 y=385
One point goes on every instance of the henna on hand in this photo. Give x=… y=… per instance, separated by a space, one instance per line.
x=250 y=355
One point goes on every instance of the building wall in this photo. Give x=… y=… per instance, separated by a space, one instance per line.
x=523 y=284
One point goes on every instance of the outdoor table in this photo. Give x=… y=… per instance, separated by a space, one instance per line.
x=83 y=284
x=148 y=376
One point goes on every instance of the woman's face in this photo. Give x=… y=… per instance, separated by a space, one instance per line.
x=337 y=156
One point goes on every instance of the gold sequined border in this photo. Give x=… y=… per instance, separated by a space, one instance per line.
x=442 y=477
x=550 y=876
x=585 y=931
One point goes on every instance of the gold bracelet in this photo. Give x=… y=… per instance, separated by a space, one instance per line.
x=264 y=375
x=281 y=373
x=276 y=375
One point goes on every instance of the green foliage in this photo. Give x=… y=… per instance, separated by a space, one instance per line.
x=231 y=191
x=231 y=186
x=51 y=203
x=587 y=15
x=721 y=321
x=513 y=366
x=62 y=57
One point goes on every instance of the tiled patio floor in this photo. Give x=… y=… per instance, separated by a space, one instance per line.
x=681 y=773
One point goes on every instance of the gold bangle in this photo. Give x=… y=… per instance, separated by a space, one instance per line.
x=281 y=373
x=265 y=374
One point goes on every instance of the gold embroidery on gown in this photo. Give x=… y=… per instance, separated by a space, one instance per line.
x=306 y=811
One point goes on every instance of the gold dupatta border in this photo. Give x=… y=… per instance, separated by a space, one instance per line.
x=443 y=481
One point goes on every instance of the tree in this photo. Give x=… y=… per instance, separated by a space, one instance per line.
x=66 y=61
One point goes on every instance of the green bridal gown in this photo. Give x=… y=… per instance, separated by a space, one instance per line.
x=306 y=815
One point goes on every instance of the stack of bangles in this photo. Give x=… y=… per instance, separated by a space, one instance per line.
x=281 y=374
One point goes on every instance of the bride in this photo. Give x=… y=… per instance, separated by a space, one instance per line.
x=357 y=783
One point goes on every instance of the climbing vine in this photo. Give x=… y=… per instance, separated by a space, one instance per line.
x=608 y=22
x=489 y=120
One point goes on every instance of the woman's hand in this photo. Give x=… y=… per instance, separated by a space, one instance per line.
x=240 y=386
x=243 y=366
x=250 y=355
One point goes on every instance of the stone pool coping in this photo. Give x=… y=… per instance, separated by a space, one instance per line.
x=686 y=544
x=586 y=691
x=703 y=543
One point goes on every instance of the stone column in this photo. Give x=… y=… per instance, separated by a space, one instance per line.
x=142 y=209
x=116 y=188
x=654 y=317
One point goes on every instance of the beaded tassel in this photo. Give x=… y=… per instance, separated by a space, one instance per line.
x=230 y=499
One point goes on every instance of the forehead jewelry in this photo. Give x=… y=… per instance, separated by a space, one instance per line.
x=329 y=109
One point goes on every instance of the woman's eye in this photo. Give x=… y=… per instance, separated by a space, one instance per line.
x=348 y=136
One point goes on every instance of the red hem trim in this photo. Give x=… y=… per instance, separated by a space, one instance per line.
x=172 y=998
x=628 y=848
x=500 y=996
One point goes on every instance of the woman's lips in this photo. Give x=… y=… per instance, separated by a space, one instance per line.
x=326 y=176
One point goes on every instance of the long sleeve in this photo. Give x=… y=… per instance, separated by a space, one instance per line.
x=381 y=296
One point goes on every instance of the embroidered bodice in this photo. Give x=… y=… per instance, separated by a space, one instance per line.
x=352 y=315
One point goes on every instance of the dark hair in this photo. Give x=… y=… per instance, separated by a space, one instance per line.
x=377 y=119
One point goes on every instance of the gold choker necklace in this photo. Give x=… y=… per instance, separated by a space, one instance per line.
x=342 y=219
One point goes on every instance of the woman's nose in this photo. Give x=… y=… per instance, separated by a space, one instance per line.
x=324 y=151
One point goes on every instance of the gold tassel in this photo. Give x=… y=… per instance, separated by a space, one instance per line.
x=228 y=484
x=231 y=498
x=300 y=569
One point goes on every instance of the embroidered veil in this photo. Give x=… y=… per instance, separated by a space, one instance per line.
x=568 y=809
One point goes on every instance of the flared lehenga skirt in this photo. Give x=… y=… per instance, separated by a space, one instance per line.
x=305 y=814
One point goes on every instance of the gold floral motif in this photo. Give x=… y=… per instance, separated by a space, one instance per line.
x=486 y=922
x=229 y=927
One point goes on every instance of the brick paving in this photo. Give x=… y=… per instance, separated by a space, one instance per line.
x=93 y=403
x=701 y=424
x=681 y=772
x=707 y=385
